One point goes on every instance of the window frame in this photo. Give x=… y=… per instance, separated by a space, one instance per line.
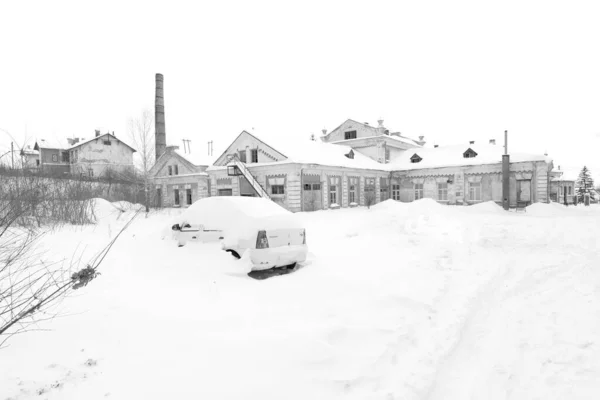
x=177 y=199
x=54 y=157
x=419 y=190
x=334 y=184
x=176 y=169
x=242 y=156
x=274 y=186
x=396 y=191
x=348 y=134
x=475 y=187
x=188 y=196
x=254 y=156
x=170 y=170
x=442 y=190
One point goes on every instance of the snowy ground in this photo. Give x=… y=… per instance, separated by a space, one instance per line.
x=403 y=301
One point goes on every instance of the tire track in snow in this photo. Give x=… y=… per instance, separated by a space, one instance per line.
x=456 y=375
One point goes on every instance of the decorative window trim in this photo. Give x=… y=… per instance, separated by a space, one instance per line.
x=474 y=178
x=276 y=180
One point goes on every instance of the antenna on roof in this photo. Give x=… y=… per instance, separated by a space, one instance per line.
x=186 y=146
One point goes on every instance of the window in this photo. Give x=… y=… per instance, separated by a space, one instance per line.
x=225 y=192
x=570 y=190
x=91 y=172
x=176 y=169
x=352 y=190
x=254 y=155
x=170 y=170
x=316 y=186
x=383 y=189
x=106 y=142
x=242 y=154
x=277 y=185
x=475 y=191
x=418 y=191
x=349 y=135
x=387 y=155
x=350 y=155
x=469 y=153
x=37 y=162
x=396 y=192
x=54 y=157
x=415 y=158
x=65 y=156
x=334 y=184
x=307 y=186
x=443 y=191
x=188 y=196
x=176 y=192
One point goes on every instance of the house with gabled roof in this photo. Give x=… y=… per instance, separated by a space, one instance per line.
x=180 y=178
x=376 y=142
x=95 y=157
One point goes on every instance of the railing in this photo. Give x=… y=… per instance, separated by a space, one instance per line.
x=234 y=159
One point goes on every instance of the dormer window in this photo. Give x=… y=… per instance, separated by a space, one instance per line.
x=470 y=153
x=349 y=135
x=350 y=155
x=415 y=158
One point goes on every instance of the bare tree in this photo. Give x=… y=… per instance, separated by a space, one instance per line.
x=142 y=135
x=30 y=285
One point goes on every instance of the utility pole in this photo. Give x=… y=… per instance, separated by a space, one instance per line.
x=12 y=154
x=506 y=175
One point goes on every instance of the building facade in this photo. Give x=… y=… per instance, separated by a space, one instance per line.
x=100 y=156
x=356 y=164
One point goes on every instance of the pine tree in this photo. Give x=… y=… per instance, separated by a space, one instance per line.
x=584 y=184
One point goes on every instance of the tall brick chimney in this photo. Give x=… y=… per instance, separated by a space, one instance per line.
x=160 y=134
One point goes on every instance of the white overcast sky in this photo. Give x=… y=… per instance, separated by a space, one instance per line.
x=452 y=71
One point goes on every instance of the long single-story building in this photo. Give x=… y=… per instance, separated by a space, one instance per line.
x=356 y=164
x=313 y=175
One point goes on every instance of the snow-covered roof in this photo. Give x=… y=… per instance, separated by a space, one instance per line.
x=447 y=156
x=83 y=141
x=51 y=143
x=327 y=154
x=315 y=152
x=197 y=158
x=28 y=151
x=401 y=139
x=404 y=139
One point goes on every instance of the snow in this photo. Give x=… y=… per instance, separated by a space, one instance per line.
x=401 y=301
x=197 y=158
x=316 y=152
x=447 y=156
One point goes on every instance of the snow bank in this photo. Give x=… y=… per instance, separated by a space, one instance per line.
x=546 y=210
x=487 y=207
x=402 y=301
x=104 y=210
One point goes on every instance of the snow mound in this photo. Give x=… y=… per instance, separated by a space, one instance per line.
x=389 y=204
x=488 y=207
x=425 y=206
x=104 y=210
x=126 y=206
x=546 y=210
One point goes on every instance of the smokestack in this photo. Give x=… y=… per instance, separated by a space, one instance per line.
x=160 y=134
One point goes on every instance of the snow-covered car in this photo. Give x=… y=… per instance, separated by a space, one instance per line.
x=273 y=236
